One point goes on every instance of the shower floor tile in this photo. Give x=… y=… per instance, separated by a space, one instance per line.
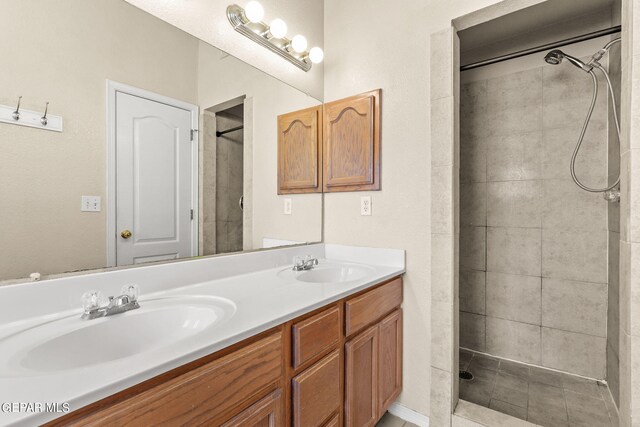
x=541 y=396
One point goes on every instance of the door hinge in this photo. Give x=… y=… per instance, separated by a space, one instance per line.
x=191 y=214
x=193 y=134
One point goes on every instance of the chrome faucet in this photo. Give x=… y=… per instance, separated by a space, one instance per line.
x=306 y=263
x=95 y=305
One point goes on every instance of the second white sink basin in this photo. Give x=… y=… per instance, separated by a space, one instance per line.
x=330 y=273
x=71 y=343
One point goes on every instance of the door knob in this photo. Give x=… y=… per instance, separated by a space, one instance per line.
x=125 y=234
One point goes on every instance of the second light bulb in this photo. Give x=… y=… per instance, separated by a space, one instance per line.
x=299 y=43
x=278 y=28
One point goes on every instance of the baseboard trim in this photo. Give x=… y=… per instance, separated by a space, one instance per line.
x=410 y=415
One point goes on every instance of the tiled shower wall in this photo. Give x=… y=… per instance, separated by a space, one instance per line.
x=613 y=311
x=533 y=246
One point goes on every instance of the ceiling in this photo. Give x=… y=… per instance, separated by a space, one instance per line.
x=529 y=20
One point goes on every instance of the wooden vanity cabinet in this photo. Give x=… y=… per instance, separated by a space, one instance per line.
x=373 y=353
x=300 y=151
x=340 y=365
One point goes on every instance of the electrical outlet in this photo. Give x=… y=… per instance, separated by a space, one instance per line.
x=287 y=206
x=90 y=204
x=365 y=205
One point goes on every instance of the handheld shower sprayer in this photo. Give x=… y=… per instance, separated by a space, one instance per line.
x=555 y=57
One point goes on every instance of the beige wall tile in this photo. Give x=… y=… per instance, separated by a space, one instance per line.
x=625 y=287
x=442 y=268
x=513 y=340
x=566 y=206
x=442 y=117
x=514 y=297
x=472 y=291
x=575 y=255
x=613 y=374
x=441 y=336
x=441 y=398
x=514 y=121
x=442 y=207
x=516 y=156
x=513 y=250
x=634 y=195
x=442 y=64
x=473 y=244
x=473 y=159
x=575 y=306
x=558 y=147
x=577 y=353
x=472 y=331
x=633 y=295
x=514 y=204
x=473 y=203
x=515 y=90
x=566 y=94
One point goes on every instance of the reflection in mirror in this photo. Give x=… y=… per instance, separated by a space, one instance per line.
x=167 y=148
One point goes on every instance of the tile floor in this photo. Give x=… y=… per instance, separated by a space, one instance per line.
x=538 y=395
x=389 y=420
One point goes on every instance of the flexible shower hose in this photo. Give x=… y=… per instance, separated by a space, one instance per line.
x=586 y=124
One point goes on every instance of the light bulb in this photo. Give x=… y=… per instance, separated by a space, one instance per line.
x=316 y=55
x=299 y=43
x=278 y=28
x=254 y=11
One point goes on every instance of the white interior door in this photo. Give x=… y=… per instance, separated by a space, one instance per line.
x=153 y=181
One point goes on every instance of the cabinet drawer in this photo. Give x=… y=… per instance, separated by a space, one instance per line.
x=315 y=335
x=371 y=306
x=266 y=412
x=316 y=392
x=204 y=394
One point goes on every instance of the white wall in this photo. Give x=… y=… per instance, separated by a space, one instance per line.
x=59 y=53
x=207 y=20
x=380 y=44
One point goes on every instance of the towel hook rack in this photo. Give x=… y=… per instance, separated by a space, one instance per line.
x=16 y=113
x=43 y=119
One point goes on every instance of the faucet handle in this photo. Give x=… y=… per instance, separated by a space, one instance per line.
x=92 y=300
x=132 y=291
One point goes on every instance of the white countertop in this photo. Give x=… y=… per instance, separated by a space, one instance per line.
x=263 y=299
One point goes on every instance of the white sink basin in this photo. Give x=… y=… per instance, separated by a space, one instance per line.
x=330 y=273
x=71 y=343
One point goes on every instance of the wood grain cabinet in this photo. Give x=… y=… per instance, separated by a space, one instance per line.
x=300 y=151
x=340 y=365
x=351 y=143
x=373 y=372
x=316 y=393
x=266 y=413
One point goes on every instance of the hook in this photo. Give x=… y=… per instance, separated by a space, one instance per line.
x=16 y=114
x=43 y=119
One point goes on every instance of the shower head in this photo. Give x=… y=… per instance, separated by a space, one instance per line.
x=555 y=57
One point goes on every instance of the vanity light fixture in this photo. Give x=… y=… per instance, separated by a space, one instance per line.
x=248 y=21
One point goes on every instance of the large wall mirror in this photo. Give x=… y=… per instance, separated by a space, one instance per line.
x=128 y=180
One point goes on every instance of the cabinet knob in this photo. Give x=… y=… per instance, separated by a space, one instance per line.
x=125 y=234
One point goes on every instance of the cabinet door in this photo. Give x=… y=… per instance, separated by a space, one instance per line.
x=265 y=413
x=300 y=151
x=316 y=392
x=389 y=360
x=361 y=377
x=351 y=140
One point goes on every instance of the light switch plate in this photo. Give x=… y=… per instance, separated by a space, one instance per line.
x=287 y=206
x=90 y=204
x=365 y=205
